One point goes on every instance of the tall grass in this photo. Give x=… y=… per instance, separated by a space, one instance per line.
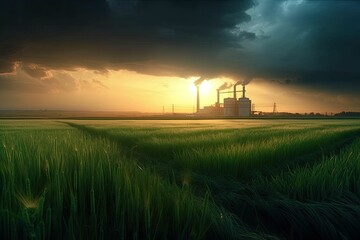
x=334 y=176
x=227 y=150
x=319 y=201
x=108 y=182
x=238 y=159
x=61 y=184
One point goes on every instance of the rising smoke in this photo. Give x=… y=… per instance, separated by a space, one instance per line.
x=245 y=81
x=225 y=85
x=199 y=81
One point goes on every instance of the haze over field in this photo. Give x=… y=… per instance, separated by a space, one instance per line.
x=138 y=55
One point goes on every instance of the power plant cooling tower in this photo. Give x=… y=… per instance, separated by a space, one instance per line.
x=244 y=105
x=234 y=107
x=229 y=107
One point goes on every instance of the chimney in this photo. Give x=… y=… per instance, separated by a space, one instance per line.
x=235 y=90
x=243 y=91
x=218 y=97
x=197 y=98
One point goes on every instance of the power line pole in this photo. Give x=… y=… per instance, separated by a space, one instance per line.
x=274 y=109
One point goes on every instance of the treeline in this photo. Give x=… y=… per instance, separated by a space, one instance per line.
x=348 y=114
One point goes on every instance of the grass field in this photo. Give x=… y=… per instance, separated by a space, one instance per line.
x=194 y=179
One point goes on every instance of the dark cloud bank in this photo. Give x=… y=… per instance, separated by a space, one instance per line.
x=315 y=44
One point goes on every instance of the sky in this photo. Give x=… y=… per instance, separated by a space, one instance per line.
x=141 y=55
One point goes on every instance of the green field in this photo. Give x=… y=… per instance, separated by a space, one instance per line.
x=180 y=179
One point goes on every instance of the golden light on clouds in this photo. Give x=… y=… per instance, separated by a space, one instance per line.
x=123 y=90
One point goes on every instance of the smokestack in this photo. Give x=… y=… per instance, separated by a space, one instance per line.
x=197 y=98
x=243 y=91
x=218 y=96
x=237 y=83
x=197 y=84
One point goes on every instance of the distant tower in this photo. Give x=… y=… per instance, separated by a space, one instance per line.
x=197 y=98
x=244 y=105
x=274 y=109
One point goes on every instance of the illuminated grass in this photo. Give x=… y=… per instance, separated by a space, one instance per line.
x=180 y=180
x=61 y=184
x=288 y=201
x=334 y=176
x=237 y=159
x=229 y=150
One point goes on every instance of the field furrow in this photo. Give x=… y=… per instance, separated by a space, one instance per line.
x=236 y=179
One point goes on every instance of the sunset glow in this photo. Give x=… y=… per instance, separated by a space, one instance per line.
x=179 y=119
x=146 y=66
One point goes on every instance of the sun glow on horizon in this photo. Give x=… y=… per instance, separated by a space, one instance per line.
x=123 y=90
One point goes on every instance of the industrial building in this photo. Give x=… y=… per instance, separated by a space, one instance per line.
x=232 y=107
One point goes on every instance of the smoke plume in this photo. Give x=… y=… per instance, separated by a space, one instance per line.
x=199 y=81
x=225 y=85
x=245 y=81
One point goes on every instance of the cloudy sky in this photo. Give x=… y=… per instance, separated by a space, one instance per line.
x=141 y=55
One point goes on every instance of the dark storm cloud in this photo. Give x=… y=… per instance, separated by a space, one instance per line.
x=310 y=43
x=99 y=34
x=314 y=44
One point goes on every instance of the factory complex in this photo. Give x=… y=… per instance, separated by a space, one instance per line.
x=231 y=106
